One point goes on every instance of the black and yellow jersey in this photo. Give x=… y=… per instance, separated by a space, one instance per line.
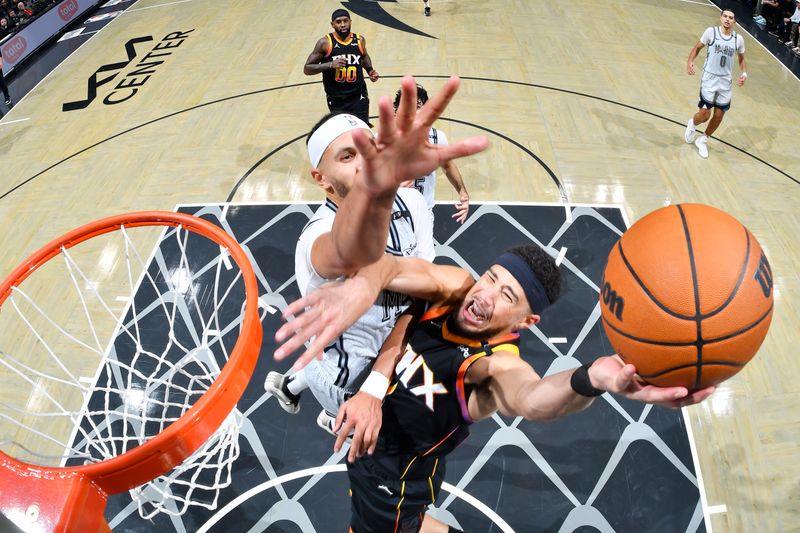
x=349 y=79
x=425 y=411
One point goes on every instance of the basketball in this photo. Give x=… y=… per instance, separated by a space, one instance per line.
x=686 y=296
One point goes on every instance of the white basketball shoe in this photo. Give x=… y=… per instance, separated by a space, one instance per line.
x=702 y=146
x=689 y=133
x=275 y=384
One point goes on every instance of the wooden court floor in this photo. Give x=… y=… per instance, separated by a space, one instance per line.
x=583 y=101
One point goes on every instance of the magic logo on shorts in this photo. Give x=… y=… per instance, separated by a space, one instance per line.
x=135 y=79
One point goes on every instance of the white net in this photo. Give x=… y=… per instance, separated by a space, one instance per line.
x=103 y=347
x=196 y=481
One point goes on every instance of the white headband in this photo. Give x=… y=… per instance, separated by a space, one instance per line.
x=325 y=134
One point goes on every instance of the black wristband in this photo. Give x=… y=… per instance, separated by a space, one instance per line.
x=581 y=383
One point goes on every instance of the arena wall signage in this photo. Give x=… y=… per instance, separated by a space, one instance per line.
x=40 y=30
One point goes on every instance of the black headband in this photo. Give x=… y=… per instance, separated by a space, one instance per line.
x=340 y=13
x=534 y=290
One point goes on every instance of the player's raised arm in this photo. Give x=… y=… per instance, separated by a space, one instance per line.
x=508 y=384
x=401 y=149
x=360 y=229
x=328 y=311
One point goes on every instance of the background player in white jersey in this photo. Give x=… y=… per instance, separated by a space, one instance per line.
x=427 y=184
x=338 y=170
x=716 y=86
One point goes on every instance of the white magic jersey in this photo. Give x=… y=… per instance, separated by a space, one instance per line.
x=349 y=358
x=427 y=184
x=721 y=51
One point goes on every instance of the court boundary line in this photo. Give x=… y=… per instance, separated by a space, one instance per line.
x=562 y=192
x=437 y=76
x=6 y=123
x=338 y=468
x=152 y=7
x=701 y=487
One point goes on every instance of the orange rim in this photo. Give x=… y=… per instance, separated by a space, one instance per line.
x=183 y=437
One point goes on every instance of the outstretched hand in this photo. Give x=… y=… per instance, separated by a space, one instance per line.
x=322 y=315
x=613 y=375
x=462 y=210
x=402 y=148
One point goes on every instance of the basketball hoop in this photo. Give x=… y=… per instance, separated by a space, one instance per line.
x=154 y=405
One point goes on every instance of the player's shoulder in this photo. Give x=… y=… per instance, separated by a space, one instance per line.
x=508 y=349
x=324 y=44
x=321 y=221
x=708 y=36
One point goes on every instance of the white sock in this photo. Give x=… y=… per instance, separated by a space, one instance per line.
x=297 y=382
x=691 y=122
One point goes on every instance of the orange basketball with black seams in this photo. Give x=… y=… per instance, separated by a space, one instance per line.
x=687 y=296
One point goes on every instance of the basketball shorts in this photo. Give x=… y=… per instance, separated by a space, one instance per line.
x=357 y=104
x=388 y=495
x=323 y=374
x=715 y=91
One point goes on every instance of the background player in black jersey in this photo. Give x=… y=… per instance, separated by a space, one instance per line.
x=341 y=57
x=463 y=360
x=3 y=85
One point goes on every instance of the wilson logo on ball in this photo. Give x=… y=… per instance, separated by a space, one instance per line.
x=763 y=275
x=698 y=293
x=613 y=301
